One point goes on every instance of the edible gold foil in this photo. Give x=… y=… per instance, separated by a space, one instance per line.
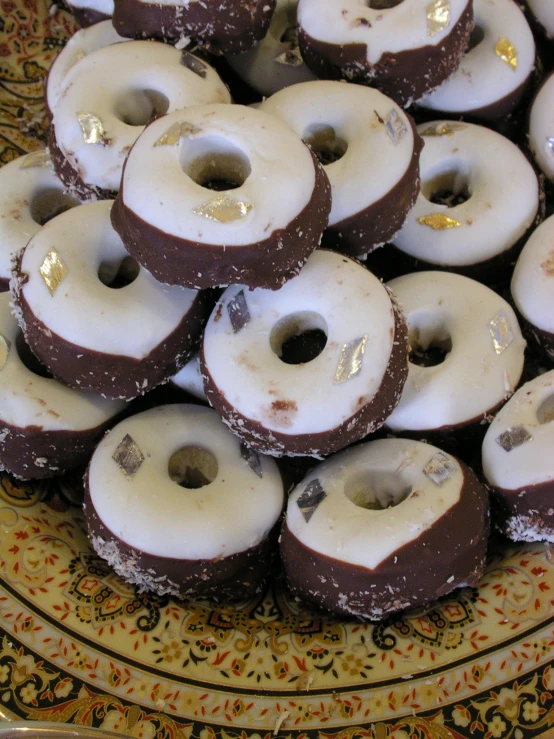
x=395 y=127
x=500 y=331
x=36 y=159
x=438 y=16
x=173 y=134
x=223 y=209
x=252 y=459
x=52 y=270
x=350 y=361
x=439 y=221
x=4 y=351
x=290 y=58
x=513 y=437
x=440 y=468
x=507 y=52
x=128 y=456
x=442 y=129
x=239 y=315
x=92 y=128
x=310 y=499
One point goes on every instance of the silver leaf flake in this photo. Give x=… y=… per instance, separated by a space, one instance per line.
x=251 y=459
x=223 y=209
x=5 y=347
x=92 y=128
x=290 y=58
x=440 y=468
x=500 y=331
x=550 y=144
x=36 y=159
x=239 y=315
x=52 y=270
x=174 y=133
x=395 y=126
x=128 y=457
x=350 y=361
x=513 y=437
x=438 y=16
x=310 y=499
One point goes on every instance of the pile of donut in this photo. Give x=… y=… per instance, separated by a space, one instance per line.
x=235 y=255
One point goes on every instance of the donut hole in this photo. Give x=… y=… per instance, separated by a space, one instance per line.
x=476 y=37
x=450 y=188
x=429 y=350
x=118 y=273
x=545 y=412
x=138 y=107
x=214 y=163
x=325 y=143
x=49 y=203
x=383 y=4
x=376 y=490
x=299 y=338
x=192 y=467
x=28 y=359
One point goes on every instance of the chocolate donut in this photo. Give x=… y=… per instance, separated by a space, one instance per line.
x=495 y=71
x=404 y=48
x=30 y=194
x=90 y=12
x=109 y=96
x=466 y=356
x=313 y=399
x=354 y=130
x=93 y=317
x=385 y=526
x=258 y=231
x=479 y=196
x=45 y=427
x=518 y=464
x=213 y=539
x=533 y=287
x=222 y=27
x=541 y=128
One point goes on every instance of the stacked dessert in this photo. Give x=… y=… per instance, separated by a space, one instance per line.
x=172 y=237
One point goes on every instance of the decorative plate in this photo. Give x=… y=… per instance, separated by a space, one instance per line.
x=79 y=645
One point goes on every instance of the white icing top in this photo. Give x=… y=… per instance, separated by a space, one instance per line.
x=275 y=62
x=26 y=191
x=27 y=399
x=102 y=6
x=533 y=279
x=190 y=379
x=503 y=202
x=530 y=463
x=483 y=78
x=154 y=514
x=85 y=41
x=357 y=115
x=132 y=81
x=158 y=185
x=473 y=378
x=541 y=128
x=543 y=10
x=130 y=321
x=403 y=27
x=332 y=293
x=384 y=471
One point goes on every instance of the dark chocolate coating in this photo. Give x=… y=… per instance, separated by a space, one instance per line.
x=449 y=554
x=4 y=284
x=529 y=508
x=364 y=231
x=114 y=376
x=541 y=339
x=267 y=264
x=236 y=577
x=87 y=16
x=225 y=27
x=404 y=76
x=368 y=419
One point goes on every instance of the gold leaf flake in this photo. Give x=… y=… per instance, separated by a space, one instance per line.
x=350 y=361
x=500 y=331
x=174 y=133
x=92 y=128
x=36 y=159
x=52 y=270
x=438 y=16
x=439 y=221
x=395 y=127
x=310 y=499
x=440 y=468
x=223 y=209
x=4 y=351
x=290 y=58
x=128 y=456
x=442 y=129
x=507 y=52
x=513 y=437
